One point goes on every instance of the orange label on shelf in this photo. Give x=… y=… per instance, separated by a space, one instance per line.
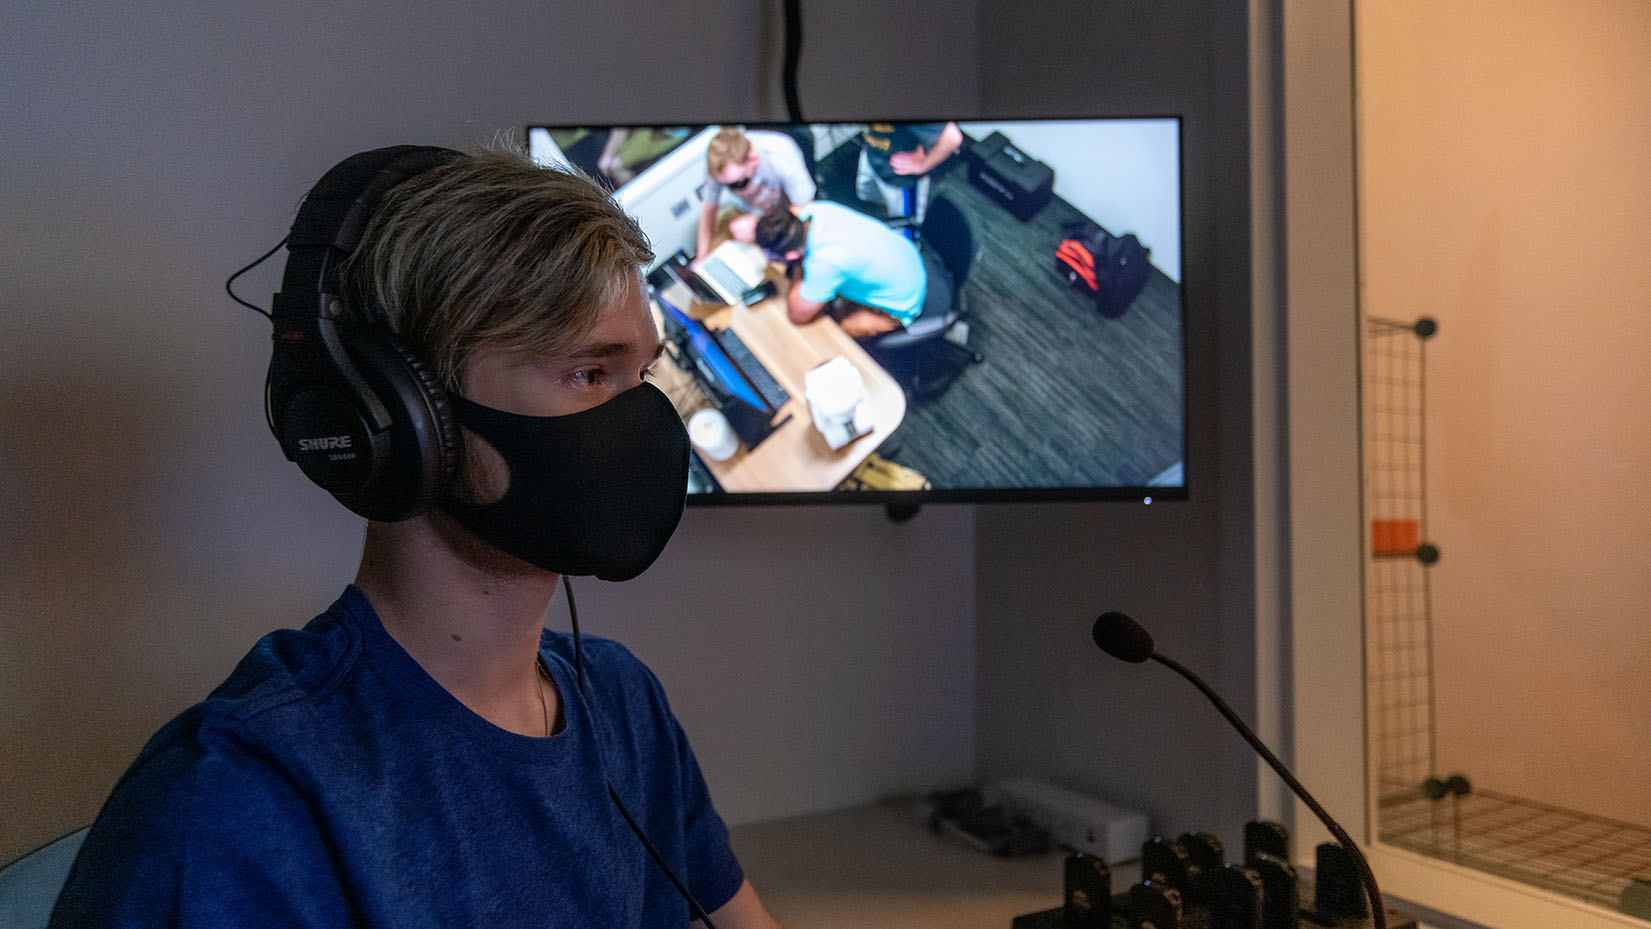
x=1395 y=536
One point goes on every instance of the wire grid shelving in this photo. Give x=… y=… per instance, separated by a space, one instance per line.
x=1581 y=855
x=1577 y=854
x=1400 y=648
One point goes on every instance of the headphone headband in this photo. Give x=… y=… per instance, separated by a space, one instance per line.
x=334 y=214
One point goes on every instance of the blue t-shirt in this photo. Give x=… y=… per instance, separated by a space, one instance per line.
x=331 y=782
x=851 y=255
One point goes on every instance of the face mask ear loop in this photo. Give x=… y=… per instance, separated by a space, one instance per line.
x=695 y=910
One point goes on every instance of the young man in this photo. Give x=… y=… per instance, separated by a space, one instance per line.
x=755 y=169
x=836 y=254
x=425 y=753
x=896 y=160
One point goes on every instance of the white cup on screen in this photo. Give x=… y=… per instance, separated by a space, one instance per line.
x=709 y=431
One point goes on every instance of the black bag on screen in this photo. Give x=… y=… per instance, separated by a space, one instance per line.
x=1110 y=269
x=1018 y=182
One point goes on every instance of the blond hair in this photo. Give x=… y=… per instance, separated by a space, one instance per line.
x=493 y=251
x=728 y=147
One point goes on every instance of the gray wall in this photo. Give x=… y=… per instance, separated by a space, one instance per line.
x=1049 y=701
x=149 y=529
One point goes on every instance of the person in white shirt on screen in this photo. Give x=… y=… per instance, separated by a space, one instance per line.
x=753 y=169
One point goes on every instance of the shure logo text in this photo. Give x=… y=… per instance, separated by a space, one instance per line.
x=323 y=443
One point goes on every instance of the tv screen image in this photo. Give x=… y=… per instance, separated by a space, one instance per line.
x=912 y=311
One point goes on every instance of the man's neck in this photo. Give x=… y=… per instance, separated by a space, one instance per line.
x=467 y=613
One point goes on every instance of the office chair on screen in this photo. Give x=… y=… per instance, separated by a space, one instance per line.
x=29 y=886
x=804 y=137
x=920 y=356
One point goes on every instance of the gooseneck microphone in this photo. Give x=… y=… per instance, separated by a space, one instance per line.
x=1124 y=639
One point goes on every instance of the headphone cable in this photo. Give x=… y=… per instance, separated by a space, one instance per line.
x=229 y=285
x=694 y=909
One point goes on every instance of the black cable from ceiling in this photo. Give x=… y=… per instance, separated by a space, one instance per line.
x=793 y=52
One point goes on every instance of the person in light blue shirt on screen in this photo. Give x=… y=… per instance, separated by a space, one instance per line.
x=869 y=277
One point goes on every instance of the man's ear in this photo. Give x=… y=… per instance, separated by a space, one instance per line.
x=794 y=254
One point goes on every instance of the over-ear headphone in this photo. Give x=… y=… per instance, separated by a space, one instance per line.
x=350 y=402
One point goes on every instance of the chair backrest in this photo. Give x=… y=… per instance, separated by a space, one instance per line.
x=804 y=137
x=947 y=233
x=29 y=886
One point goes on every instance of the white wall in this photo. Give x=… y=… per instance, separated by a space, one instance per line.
x=1124 y=174
x=1320 y=294
x=1507 y=196
x=1314 y=315
x=665 y=197
x=149 y=529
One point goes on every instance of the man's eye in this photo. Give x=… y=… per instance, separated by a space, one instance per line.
x=589 y=377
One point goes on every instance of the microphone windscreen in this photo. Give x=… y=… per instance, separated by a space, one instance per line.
x=1123 y=638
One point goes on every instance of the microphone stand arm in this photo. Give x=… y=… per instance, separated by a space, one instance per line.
x=1378 y=912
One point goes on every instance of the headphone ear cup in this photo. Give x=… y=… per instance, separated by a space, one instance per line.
x=424 y=437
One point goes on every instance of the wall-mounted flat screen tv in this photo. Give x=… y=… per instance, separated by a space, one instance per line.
x=912 y=311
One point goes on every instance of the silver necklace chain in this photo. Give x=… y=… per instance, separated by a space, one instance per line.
x=544 y=708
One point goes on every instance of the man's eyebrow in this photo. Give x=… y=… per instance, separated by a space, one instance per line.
x=611 y=349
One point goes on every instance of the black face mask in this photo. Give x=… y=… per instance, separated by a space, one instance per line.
x=595 y=492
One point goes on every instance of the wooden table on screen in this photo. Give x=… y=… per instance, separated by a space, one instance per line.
x=796 y=457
